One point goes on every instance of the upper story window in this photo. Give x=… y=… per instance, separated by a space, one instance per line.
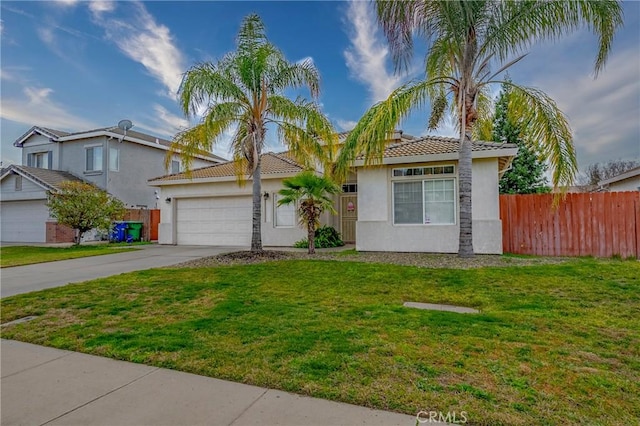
x=114 y=159
x=175 y=166
x=93 y=155
x=41 y=160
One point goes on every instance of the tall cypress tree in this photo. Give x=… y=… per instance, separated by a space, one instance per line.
x=526 y=175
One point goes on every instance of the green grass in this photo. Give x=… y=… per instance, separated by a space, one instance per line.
x=554 y=344
x=27 y=255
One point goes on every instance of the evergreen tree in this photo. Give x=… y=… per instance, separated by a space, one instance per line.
x=526 y=175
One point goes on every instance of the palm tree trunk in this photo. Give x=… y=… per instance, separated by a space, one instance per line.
x=465 y=248
x=465 y=242
x=311 y=235
x=256 y=234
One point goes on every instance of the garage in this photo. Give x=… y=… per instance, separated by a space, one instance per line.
x=223 y=221
x=24 y=221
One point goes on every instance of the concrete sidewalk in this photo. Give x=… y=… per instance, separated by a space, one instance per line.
x=42 y=385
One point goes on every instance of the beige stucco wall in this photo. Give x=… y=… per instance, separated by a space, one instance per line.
x=271 y=235
x=630 y=184
x=375 y=230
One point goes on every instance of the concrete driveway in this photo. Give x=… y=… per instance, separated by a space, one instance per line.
x=25 y=279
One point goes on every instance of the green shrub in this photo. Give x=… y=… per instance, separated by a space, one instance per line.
x=326 y=237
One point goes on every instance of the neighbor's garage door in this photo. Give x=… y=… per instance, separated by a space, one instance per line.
x=216 y=221
x=24 y=221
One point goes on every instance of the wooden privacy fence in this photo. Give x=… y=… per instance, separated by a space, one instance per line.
x=150 y=220
x=599 y=224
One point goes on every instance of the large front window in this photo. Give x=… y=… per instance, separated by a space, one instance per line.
x=427 y=201
x=93 y=159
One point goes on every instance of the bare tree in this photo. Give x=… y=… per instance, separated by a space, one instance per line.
x=597 y=172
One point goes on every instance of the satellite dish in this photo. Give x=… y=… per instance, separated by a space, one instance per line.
x=124 y=125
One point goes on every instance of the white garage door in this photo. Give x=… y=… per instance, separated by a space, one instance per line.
x=216 y=221
x=24 y=221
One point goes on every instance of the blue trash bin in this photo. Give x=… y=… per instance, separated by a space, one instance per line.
x=119 y=232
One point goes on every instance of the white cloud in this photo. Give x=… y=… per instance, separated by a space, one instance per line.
x=167 y=123
x=46 y=35
x=368 y=55
x=98 y=7
x=145 y=41
x=603 y=113
x=305 y=59
x=346 y=125
x=66 y=3
x=39 y=106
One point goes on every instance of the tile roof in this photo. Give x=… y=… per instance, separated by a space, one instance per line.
x=50 y=179
x=271 y=164
x=433 y=145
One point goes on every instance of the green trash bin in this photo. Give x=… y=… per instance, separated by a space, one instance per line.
x=133 y=230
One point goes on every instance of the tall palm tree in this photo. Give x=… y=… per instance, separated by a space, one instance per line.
x=244 y=91
x=466 y=39
x=311 y=193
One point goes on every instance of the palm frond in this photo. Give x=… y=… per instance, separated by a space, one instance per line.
x=516 y=25
x=204 y=84
x=251 y=35
x=302 y=74
x=370 y=136
x=545 y=129
x=304 y=129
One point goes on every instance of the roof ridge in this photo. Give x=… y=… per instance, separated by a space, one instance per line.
x=286 y=159
x=33 y=177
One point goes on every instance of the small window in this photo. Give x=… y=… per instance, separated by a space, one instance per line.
x=41 y=160
x=114 y=159
x=424 y=171
x=175 y=167
x=350 y=188
x=93 y=159
x=18 y=183
x=285 y=214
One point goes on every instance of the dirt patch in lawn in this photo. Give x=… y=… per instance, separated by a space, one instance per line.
x=423 y=260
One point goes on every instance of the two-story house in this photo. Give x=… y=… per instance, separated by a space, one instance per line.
x=117 y=162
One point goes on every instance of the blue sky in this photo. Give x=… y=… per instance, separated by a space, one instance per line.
x=74 y=65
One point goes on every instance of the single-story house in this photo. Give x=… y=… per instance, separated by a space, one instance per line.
x=627 y=181
x=208 y=207
x=408 y=202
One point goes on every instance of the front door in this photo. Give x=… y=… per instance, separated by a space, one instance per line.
x=348 y=217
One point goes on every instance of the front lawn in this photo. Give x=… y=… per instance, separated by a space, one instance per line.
x=27 y=255
x=554 y=344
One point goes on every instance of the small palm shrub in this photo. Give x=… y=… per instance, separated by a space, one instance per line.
x=325 y=237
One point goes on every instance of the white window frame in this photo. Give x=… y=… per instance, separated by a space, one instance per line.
x=276 y=207
x=422 y=178
x=86 y=152
x=171 y=171
x=117 y=159
x=44 y=155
